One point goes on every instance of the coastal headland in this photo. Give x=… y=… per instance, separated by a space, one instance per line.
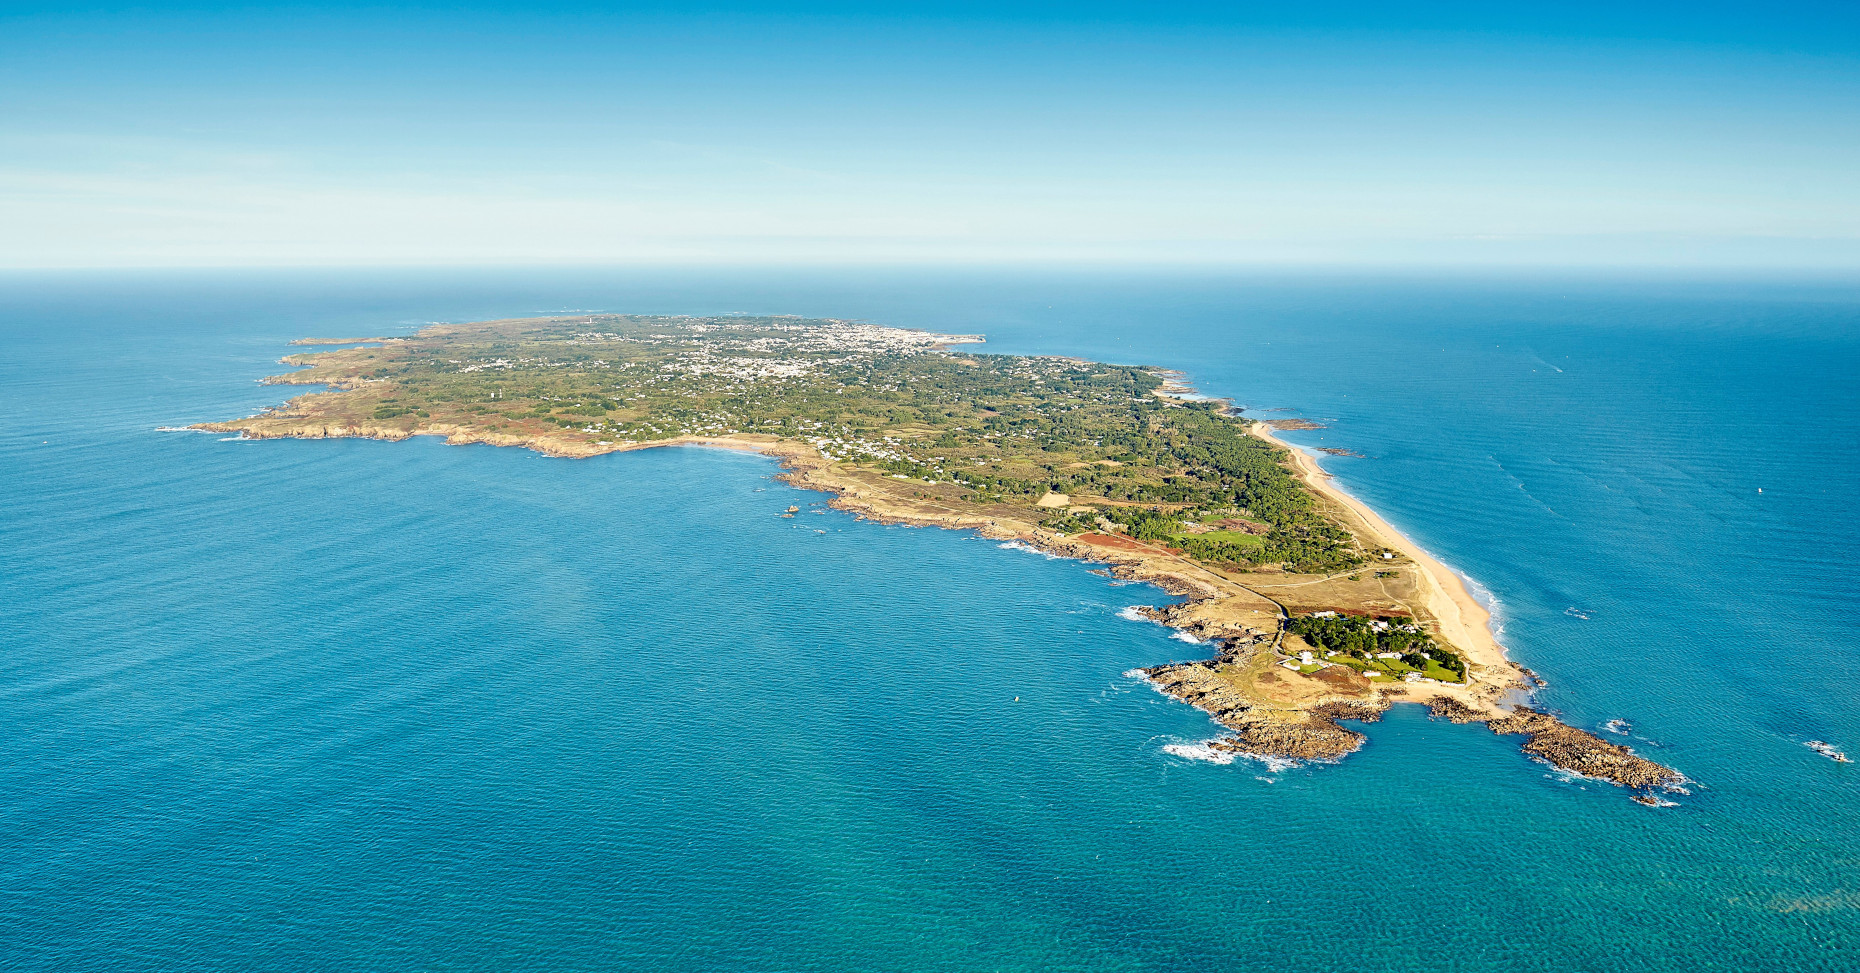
x=1313 y=611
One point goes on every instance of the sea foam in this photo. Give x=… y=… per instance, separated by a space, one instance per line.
x=1029 y=548
x=1199 y=751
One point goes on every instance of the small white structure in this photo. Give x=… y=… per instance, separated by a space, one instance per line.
x=1323 y=614
x=1304 y=658
x=1388 y=555
x=1388 y=655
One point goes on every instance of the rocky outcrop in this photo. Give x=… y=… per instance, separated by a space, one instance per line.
x=1565 y=747
x=1258 y=731
x=1184 y=616
x=1360 y=712
x=1310 y=739
x=1453 y=710
x=1200 y=685
x=1579 y=751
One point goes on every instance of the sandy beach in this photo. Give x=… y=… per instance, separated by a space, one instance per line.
x=1461 y=619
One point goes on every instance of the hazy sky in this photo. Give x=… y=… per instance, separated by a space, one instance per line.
x=1587 y=133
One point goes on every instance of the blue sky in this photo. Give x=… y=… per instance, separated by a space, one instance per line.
x=1358 y=134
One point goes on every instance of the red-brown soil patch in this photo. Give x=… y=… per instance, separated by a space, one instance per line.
x=1114 y=541
x=1342 y=677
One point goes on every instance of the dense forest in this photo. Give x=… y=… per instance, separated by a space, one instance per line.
x=1365 y=638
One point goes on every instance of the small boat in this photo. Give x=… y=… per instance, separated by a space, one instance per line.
x=1828 y=750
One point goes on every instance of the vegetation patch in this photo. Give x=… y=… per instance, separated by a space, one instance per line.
x=996 y=429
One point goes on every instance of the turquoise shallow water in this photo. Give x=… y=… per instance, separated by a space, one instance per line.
x=357 y=705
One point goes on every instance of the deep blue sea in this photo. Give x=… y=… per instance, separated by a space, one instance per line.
x=343 y=705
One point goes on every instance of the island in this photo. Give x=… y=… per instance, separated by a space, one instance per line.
x=1312 y=610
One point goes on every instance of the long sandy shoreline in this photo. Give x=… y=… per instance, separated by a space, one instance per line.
x=1461 y=619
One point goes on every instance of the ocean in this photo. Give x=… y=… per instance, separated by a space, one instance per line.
x=306 y=705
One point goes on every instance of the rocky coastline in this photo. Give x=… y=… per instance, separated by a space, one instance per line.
x=1261 y=731
x=1566 y=748
x=1251 y=685
x=1309 y=733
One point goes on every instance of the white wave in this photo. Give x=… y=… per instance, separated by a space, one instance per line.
x=1563 y=775
x=1155 y=686
x=233 y=439
x=1132 y=615
x=1486 y=599
x=1199 y=751
x=1182 y=636
x=1029 y=548
x=1204 y=750
x=180 y=429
